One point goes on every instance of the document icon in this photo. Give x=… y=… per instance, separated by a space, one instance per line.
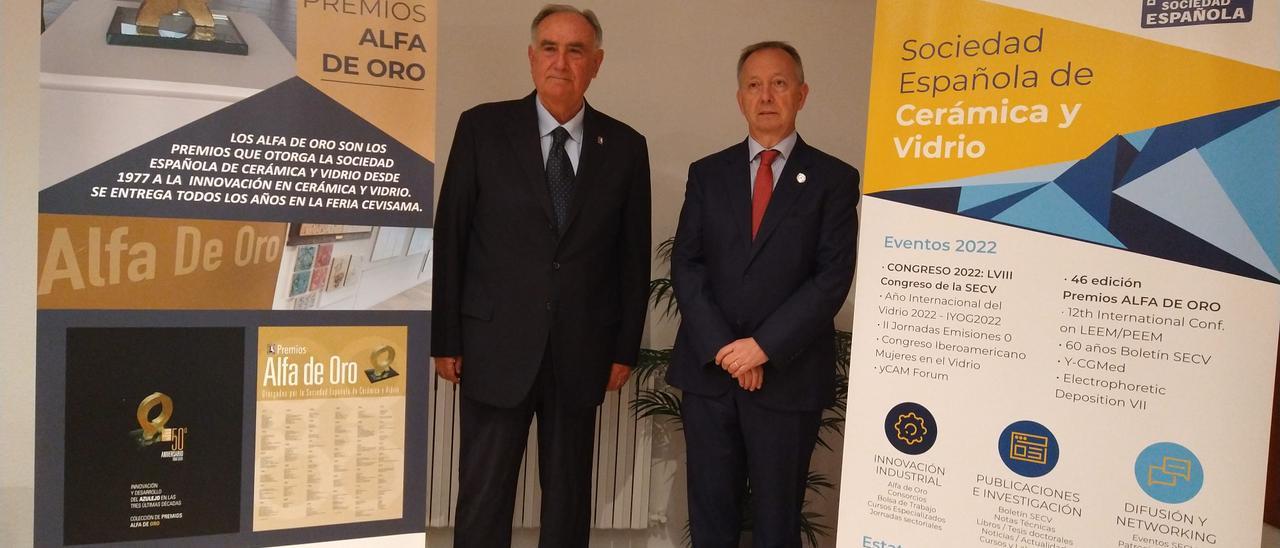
x=1169 y=471
x=1028 y=447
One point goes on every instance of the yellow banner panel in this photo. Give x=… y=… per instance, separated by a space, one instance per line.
x=307 y=363
x=966 y=87
x=377 y=59
x=98 y=262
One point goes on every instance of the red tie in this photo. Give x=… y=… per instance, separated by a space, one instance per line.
x=764 y=189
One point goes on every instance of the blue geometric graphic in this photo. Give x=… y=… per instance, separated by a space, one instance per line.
x=1043 y=173
x=1052 y=210
x=941 y=199
x=1133 y=225
x=1092 y=179
x=1259 y=204
x=1174 y=140
x=997 y=206
x=1203 y=191
x=1169 y=473
x=974 y=196
x=1139 y=138
x=1168 y=189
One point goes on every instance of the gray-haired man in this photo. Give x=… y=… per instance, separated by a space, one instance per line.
x=541 y=273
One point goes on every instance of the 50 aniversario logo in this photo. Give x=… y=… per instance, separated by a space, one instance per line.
x=156 y=430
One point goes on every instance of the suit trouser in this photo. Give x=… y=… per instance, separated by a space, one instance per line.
x=492 y=444
x=731 y=438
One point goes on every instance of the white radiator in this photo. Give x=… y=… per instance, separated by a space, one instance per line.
x=620 y=477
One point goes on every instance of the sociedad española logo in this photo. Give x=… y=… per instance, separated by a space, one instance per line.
x=155 y=430
x=1182 y=13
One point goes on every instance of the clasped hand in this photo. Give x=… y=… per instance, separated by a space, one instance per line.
x=742 y=360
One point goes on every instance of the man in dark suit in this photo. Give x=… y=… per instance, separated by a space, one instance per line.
x=542 y=246
x=763 y=260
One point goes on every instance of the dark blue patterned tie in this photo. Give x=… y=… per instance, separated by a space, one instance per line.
x=559 y=176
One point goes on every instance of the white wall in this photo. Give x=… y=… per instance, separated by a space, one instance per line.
x=669 y=72
x=19 y=126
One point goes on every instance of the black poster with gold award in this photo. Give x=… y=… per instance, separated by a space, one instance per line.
x=153 y=433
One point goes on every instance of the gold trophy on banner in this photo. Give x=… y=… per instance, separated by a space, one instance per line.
x=381 y=358
x=176 y=24
x=153 y=429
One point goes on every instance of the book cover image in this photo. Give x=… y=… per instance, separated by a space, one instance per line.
x=153 y=433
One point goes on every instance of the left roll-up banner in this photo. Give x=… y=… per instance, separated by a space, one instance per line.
x=233 y=271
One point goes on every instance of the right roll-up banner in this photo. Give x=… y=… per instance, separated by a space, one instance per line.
x=1067 y=292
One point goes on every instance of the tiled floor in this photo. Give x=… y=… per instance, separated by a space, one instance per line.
x=279 y=15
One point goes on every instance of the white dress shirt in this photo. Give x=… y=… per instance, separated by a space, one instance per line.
x=547 y=123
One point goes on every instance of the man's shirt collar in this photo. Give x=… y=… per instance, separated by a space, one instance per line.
x=547 y=123
x=784 y=147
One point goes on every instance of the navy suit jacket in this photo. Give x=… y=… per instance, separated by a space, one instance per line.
x=508 y=285
x=783 y=288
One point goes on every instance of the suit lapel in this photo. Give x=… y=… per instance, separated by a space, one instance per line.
x=786 y=193
x=591 y=158
x=525 y=141
x=738 y=169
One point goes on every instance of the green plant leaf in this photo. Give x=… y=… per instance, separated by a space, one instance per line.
x=663 y=254
x=817 y=481
x=658 y=403
x=651 y=363
x=662 y=295
x=811 y=528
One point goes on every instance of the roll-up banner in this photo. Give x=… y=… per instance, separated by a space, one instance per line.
x=1067 y=310
x=233 y=271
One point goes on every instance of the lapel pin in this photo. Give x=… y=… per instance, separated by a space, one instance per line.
x=800 y=178
x=600 y=140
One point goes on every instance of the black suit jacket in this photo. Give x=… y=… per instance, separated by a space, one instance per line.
x=783 y=288
x=508 y=284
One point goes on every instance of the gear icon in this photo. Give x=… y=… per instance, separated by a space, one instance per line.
x=910 y=428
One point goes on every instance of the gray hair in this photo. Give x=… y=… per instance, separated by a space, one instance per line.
x=552 y=9
x=772 y=44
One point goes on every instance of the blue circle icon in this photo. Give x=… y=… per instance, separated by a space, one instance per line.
x=1028 y=448
x=1169 y=472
